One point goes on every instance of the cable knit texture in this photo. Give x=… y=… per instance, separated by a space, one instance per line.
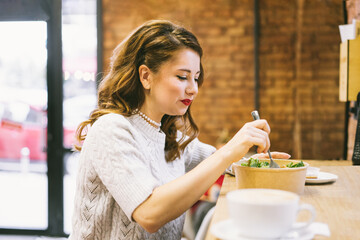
x=121 y=162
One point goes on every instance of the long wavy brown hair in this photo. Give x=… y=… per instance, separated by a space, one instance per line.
x=121 y=91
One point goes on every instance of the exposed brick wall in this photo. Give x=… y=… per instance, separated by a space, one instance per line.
x=353 y=7
x=292 y=82
x=299 y=49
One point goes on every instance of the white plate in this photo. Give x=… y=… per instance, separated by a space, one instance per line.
x=227 y=231
x=323 y=177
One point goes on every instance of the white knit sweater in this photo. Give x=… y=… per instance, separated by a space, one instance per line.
x=121 y=162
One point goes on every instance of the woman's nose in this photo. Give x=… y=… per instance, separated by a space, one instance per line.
x=192 y=87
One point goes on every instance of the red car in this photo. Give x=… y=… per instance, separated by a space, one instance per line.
x=24 y=126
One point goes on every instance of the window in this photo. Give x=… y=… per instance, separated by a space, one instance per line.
x=34 y=95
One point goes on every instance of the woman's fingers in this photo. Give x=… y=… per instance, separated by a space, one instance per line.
x=260 y=136
x=259 y=139
x=255 y=133
x=261 y=124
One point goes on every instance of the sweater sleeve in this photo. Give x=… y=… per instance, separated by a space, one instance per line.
x=119 y=163
x=195 y=152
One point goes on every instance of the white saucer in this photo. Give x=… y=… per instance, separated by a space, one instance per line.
x=323 y=177
x=226 y=231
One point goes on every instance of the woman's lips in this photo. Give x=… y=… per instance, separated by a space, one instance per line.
x=187 y=102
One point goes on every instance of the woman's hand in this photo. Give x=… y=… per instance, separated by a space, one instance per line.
x=255 y=133
x=278 y=155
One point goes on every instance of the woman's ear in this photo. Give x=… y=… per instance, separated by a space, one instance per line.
x=145 y=76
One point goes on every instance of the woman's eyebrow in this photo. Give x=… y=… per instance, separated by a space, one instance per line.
x=187 y=70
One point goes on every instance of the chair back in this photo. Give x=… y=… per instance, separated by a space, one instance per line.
x=356 y=153
x=201 y=234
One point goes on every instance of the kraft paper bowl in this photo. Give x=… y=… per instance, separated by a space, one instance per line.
x=288 y=179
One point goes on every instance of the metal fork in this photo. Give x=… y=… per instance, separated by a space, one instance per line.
x=273 y=164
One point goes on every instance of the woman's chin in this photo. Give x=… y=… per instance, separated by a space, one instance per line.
x=178 y=113
x=182 y=112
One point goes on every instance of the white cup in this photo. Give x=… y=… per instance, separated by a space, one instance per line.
x=266 y=213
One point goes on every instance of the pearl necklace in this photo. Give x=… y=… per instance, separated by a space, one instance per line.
x=148 y=120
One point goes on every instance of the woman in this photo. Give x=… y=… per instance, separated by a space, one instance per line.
x=141 y=164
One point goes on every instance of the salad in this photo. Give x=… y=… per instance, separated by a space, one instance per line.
x=256 y=163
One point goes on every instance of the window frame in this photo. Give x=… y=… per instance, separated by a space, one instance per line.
x=50 y=12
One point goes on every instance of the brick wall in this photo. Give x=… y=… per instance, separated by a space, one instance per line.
x=299 y=49
x=299 y=46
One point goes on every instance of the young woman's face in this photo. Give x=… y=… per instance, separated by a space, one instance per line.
x=174 y=86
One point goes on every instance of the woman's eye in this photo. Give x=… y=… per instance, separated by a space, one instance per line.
x=196 y=79
x=181 y=78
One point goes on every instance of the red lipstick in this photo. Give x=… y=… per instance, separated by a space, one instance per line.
x=187 y=102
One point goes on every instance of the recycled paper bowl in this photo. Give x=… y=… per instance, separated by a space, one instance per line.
x=288 y=179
